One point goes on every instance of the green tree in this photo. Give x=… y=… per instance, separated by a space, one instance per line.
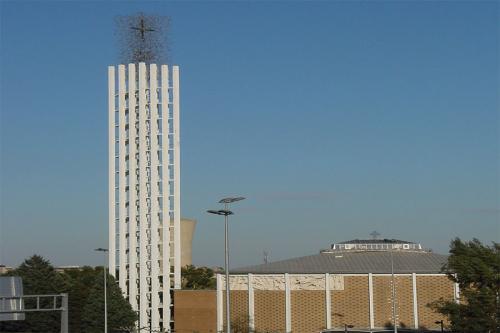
x=81 y=282
x=85 y=294
x=197 y=277
x=476 y=269
x=121 y=317
x=39 y=277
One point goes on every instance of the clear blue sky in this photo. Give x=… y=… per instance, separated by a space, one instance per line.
x=334 y=119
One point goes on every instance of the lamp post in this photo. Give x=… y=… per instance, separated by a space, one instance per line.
x=393 y=282
x=442 y=325
x=105 y=296
x=226 y=212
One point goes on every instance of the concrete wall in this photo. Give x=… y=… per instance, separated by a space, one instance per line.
x=304 y=310
x=351 y=305
x=429 y=289
x=314 y=308
x=195 y=311
x=404 y=295
x=239 y=308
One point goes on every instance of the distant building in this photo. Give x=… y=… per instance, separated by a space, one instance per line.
x=350 y=283
x=62 y=269
x=5 y=269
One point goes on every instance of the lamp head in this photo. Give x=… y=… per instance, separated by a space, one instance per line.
x=100 y=249
x=220 y=212
x=230 y=200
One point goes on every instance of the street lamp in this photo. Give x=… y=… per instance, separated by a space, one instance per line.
x=440 y=322
x=226 y=212
x=105 y=298
x=393 y=291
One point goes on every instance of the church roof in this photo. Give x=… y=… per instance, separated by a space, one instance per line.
x=353 y=262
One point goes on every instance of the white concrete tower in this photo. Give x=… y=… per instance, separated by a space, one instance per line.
x=144 y=188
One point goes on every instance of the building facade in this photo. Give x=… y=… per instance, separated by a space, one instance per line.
x=304 y=303
x=369 y=285
x=144 y=188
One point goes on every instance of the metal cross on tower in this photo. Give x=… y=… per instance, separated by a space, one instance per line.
x=142 y=38
x=142 y=28
x=374 y=235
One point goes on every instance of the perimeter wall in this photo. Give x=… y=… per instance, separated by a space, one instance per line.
x=303 y=303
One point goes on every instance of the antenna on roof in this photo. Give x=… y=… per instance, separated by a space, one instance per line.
x=266 y=257
x=374 y=235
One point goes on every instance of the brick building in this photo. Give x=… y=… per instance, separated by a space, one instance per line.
x=369 y=284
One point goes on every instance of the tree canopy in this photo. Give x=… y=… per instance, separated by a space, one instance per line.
x=121 y=318
x=85 y=296
x=198 y=278
x=476 y=269
x=39 y=277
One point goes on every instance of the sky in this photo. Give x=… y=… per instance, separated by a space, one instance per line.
x=333 y=119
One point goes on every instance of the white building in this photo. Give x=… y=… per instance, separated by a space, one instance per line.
x=144 y=188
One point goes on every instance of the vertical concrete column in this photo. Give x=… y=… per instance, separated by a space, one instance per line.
x=111 y=171
x=177 y=177
x=155 y=209
x=220 y=300
x=132 y=221
x=144 y=243
x=415 y=300
x=251 y=306
x=328 y=302
x=165 y=223
x=370 y=293
x=288 y=307
x=122 y=245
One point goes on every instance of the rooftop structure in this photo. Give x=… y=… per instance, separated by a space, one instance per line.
x=375 y=245
x=5 y=269
x=358 y=257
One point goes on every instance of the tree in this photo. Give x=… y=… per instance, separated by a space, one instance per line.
x=476 y=269
x=81 y=283
x=39 y=277
x=121 y=317
x=197 y=277
x=85 y=294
